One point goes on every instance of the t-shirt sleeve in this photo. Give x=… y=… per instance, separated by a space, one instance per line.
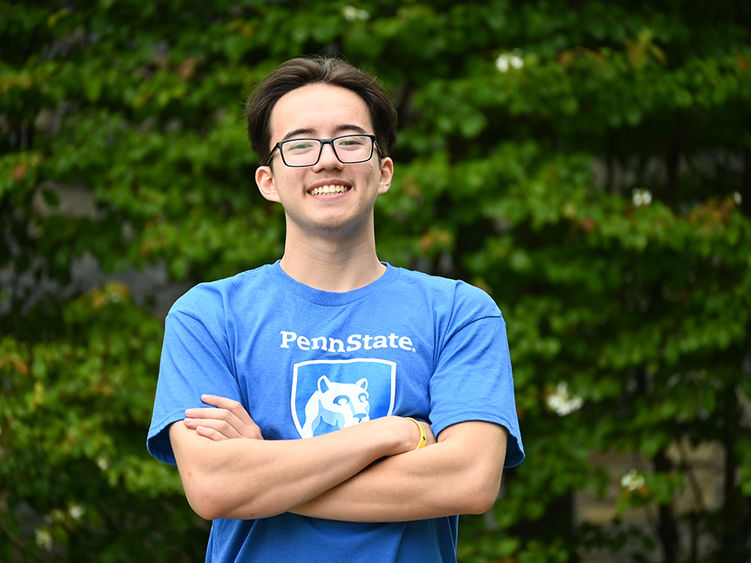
x=473 y=378
x=195 y=359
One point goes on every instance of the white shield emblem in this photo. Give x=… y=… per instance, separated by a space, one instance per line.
x=329 y=395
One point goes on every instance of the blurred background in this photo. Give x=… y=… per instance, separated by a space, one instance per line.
x=588 y=163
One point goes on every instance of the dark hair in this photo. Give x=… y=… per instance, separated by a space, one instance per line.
x=320 y=70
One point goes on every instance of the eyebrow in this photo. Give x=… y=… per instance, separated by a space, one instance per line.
x=337 y=130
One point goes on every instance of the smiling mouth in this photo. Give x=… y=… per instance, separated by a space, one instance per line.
x=330 y=189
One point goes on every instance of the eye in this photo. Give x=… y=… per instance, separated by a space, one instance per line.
x=341 y=400
x=300 y=145
x=363 y=397
x=351 y=142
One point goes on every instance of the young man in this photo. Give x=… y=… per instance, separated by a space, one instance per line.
x=329 y=374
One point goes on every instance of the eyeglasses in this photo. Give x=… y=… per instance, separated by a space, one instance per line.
x=348 y=149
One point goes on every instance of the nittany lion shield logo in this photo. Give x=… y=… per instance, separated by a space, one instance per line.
x=328 y=395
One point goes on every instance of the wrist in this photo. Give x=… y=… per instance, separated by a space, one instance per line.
x=422 y=439
x=407 y=434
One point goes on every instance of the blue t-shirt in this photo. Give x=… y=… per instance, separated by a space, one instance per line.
x=304 y=362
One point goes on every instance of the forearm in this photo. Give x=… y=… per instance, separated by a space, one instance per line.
x=454 y=476
x=245 y=478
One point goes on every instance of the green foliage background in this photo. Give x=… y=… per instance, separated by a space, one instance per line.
x=586 y=162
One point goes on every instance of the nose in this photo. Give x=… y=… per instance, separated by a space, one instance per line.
x=328 y=158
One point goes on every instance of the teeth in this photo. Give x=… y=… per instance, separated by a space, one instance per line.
x=329 y=189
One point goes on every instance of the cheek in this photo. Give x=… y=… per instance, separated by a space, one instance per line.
x=288 y=180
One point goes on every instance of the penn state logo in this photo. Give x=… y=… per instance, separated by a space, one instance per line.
x=329 y=395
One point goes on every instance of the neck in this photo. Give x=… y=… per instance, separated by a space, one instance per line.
x=331 y=264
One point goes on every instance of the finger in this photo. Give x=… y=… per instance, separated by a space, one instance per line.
x=220 y=429
x=208 y=413
x=215 y=413
x=235 y=407
x=230 y=411
x=242 y=421
x=211 y=433
x=221 y=402
x=224 y=429
x=223 y=421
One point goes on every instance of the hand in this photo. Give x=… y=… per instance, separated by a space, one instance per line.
x=227 y=420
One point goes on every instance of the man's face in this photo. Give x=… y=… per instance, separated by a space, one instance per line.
x=328 y=197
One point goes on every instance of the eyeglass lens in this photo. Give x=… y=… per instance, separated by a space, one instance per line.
x=348 y=149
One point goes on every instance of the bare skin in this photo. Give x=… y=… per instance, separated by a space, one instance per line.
x=398 y=488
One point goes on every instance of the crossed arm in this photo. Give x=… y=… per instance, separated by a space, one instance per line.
x=229 y=471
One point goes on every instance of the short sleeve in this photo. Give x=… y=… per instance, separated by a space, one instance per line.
x=473 y=378
x=195 y=359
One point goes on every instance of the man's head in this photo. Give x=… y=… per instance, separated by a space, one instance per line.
x=299 y=72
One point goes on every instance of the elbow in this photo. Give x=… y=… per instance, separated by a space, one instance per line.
x=481 y=501
x=211 y=498
x=209 y=495
x=206 y=511
x=205 y=498
x=214 y=486
x=205 y=508
x=481 y=494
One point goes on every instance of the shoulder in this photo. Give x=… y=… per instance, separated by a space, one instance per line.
x=218 y=294
x=458 y=295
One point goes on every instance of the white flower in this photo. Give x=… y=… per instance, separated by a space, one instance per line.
x=737 y=198
x=632 y=480
x=352 y=14
x=641 y=196
x=103 y=463
x=43 y=539
x=506 y=61
x=562 y=402
x=76 y=511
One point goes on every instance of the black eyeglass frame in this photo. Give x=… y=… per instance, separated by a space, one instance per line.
x=323 y=142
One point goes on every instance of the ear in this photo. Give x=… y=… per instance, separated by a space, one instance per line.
x=266 y=184
x=387 y=172
x=324 y=384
